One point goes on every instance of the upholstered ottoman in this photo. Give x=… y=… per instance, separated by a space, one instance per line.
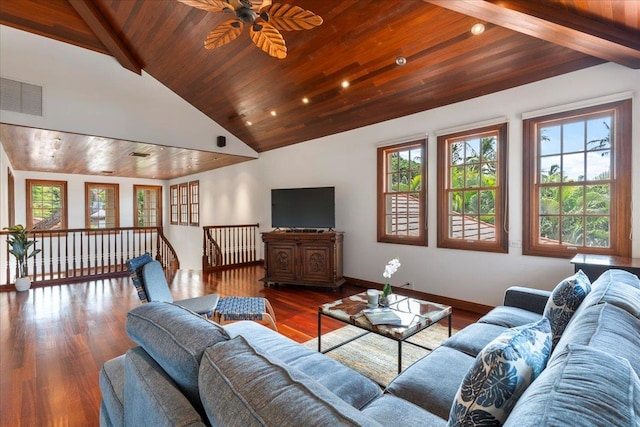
x=244 y=308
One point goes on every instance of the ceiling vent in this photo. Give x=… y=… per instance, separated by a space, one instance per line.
x=20 y=97
x=138 y=154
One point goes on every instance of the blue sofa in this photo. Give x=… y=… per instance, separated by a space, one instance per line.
x=190 y=371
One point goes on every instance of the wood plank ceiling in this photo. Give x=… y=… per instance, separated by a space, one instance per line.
x=238 y=86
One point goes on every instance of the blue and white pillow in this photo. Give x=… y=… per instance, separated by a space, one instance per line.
x=500 y=374
x=564 y=301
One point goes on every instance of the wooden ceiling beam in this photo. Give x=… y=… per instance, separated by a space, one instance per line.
x=103 y=30
x=554 y=25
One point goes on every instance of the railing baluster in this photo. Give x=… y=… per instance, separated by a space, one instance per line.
x=74 y=256
x=58 y=252
x=102 y=251
x=95 y=252
x=229 y=245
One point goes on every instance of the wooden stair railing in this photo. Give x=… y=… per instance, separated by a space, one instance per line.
x=226 y=246
x=80 y=254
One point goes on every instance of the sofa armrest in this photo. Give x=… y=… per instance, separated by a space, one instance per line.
x=151 y=397
x=526 y=298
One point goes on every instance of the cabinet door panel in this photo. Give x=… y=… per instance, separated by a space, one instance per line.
x=316 y=262
x=282 y=261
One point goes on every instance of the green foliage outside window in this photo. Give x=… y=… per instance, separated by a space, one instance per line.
x=473 y=178
x=575 y=176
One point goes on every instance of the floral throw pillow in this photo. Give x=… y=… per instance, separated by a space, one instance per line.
x=564 y=301
x=500 y=374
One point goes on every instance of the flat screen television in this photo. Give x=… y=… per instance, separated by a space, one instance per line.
x=303 y=208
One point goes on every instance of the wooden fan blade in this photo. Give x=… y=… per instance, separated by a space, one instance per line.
x=258 y=5
x=223 y=34
x=269 y=39
x=209 y=5
x=292 y=18
x=255 y=5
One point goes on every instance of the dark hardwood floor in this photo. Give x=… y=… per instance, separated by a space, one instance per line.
x=55 y=339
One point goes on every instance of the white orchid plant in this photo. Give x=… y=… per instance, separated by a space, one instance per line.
x=391 y=267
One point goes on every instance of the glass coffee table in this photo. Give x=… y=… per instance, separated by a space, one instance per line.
x=416 y=315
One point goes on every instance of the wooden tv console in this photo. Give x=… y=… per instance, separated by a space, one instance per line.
x=301 y=258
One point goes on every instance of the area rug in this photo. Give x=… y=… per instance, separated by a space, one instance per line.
x=376 y=357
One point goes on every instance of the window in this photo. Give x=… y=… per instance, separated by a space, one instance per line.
x=402 y=193
x=194 y=203
x=173 y=203
x=472 y=190
x=184 y=203
x=147 y=210
x=102 y=208
x=577 y=182
x=46 y=204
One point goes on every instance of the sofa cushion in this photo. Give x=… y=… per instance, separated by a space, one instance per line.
x=588 y=385
x=474 y=338
x=564 y=301
x=243 y=386
x=500 y=374
x=432 y=382
x=104 y=420
x=605 y=327
x=112 y=389
x=509 y=317
x=344 y=382
x=176 y=338
x=616 y=287
x=153 y=399
x=393 y=411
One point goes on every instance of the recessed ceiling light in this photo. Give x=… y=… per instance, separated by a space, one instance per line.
x=273 y=113
x=477 y=29
x=248 y=123
x=401 y=60
x=305 y=100
x=344 y=84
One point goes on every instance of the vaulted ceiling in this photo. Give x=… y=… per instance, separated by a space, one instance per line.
x=239 y=86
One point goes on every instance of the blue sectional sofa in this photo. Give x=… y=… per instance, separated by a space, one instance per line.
x=571 y=357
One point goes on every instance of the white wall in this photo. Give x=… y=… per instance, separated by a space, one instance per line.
x=232 y=195
x=348 y=162
x=4 y=200
x=90 y=93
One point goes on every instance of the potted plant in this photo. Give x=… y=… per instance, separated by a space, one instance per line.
x=20 y=244
x=391 y=267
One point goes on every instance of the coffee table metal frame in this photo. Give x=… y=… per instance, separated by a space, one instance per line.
x=417 y=313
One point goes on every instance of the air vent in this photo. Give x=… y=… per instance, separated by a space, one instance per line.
x=20 y=97
x=136 y=154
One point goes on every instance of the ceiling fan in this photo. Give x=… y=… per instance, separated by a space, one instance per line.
x=265 y=18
